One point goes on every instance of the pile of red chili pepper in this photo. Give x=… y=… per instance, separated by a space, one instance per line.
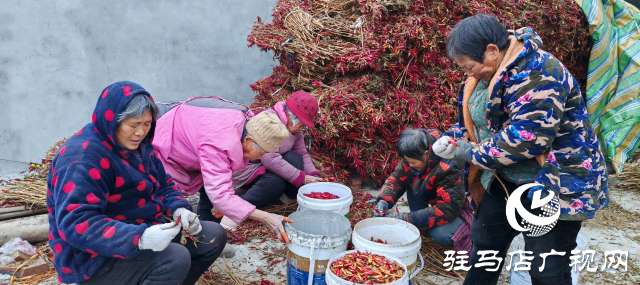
x=321 y=195
x=367 y=268
x=378 y=67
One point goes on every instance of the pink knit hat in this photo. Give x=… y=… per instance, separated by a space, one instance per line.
x=304 y=106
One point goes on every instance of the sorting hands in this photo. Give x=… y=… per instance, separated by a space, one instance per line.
x=311 y=179
x=189 y=221
x=274 y=222
x=381 y=209
x=448 y=148
x=158 y=237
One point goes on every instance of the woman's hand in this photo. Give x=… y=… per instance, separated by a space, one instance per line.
x=381 y=209
x=273 y=222
x=444 y=147
x=311 y=179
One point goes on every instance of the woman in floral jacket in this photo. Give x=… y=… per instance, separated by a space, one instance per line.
x=522 y=119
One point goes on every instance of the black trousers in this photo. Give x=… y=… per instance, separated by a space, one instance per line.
x=177 y=264
x=491 y=231
x=263 y=191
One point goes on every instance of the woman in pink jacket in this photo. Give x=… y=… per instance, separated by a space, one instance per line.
x=281 y=173
x=201 y=141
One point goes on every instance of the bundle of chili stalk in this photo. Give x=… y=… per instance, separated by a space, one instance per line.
x=379 y=66
x=32 y=189
x=367 y=268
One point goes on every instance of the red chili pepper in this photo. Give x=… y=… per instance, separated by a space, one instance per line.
x=321 y=195
x=366 y=268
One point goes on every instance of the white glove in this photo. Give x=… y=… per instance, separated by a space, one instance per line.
x=443 y=148
x=158 y=237
x=189 y=221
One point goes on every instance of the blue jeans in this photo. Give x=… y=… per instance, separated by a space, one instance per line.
x=442 y=234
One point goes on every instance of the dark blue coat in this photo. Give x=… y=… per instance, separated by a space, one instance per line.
x=101 y=198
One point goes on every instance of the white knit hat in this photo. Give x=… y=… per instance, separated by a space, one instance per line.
x=267 y=131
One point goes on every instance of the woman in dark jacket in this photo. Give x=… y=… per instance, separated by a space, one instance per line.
x=522 y=119
x=109 y=197
x=434 y=191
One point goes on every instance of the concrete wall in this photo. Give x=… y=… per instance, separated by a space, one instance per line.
x=56 y=56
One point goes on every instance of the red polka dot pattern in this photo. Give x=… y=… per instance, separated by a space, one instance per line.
x=114 y=198
x=50 y=235
x=107 y=145
x=72 y=207
x=64 y=238
x=109 y=232
x=141 y=168
x=153 y=180
x=118 y=256
x=58 y=248
x=104 y=94
x=54 y=181
x=79 y=132
x=119 y=218
x=139 y=221
x=108 y=115
x=81 y=228
x=158 y=208
x=94 y=173
x=126 y=90
x=93 y=119
x=104 y=163
x=62 y=149
x=119 y=181
x=126 y=162
x=142 y=185
x=68 y=187
x=141 y=203
x=93 y=253
x=66 y=270
x=92 y=199
x=136 y=240
x=85 y=144
x=49 y=209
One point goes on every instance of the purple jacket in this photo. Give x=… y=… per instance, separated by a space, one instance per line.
x=100 y=197
x=274 y=162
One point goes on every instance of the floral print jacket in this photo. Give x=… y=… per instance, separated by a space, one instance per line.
x=535 y=108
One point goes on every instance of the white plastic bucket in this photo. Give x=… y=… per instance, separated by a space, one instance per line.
x=340 y=206
x=522 y=277
x=332 y=279
x=316 y=236
x=403 y=240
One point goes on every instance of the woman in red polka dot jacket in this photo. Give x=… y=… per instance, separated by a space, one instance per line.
x=108 y=198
